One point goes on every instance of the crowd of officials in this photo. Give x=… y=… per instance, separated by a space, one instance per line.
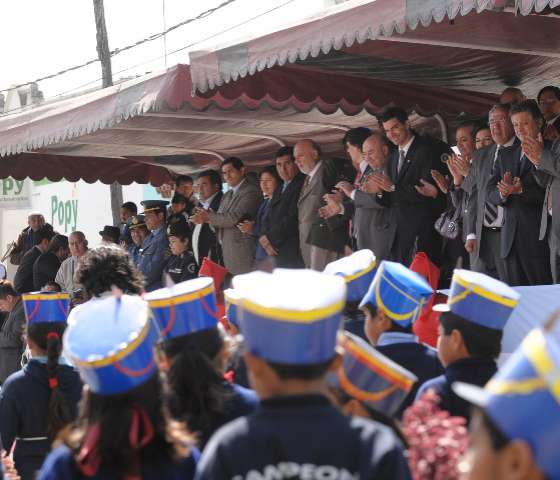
x=272 y=387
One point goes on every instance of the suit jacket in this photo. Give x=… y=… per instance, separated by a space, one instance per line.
x=375 y=224
x=153 y=254
x=238 y=248
x=207 y=245
x=45 y=269
x=308 y=204
x=522 y=213
x=23 y=281
x=475 y=184
x=414 y=213
x=549 y=169
x=11 y=342
x=333 y=233
x=281 y=228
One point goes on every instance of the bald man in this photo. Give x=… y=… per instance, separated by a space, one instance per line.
x=77 y=244
x=321 y=240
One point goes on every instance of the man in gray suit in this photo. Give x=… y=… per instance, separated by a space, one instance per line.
x=309 y=162
x=373 y=224
x=547 y=161
x=486 y=220
x=239 y=203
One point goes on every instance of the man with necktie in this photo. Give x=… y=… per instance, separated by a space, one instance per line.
x=404 y=186
x=239 y=203
x=514 y=187
x=486 y=219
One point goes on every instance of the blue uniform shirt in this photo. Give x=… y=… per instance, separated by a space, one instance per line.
x=302 y=436
x=60 y=465
x=418 y=358
x=24 y=404
x=475 y=371
x=152 y=258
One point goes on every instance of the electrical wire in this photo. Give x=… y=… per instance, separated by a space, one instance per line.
x=116 y=51
x=233 y=27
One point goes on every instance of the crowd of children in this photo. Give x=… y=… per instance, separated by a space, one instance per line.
x=131 y=386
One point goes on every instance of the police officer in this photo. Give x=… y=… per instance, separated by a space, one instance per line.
x=155 y=248
x=181 y=265
x=138 y=233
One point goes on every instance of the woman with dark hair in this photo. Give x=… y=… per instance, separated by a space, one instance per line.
x=269 y=181
x=123 y=431
x=39 y=401
x=193 y=354
x=105 y=267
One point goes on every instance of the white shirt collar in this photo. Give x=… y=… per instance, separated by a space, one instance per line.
x=509 y=143
x=552 y=120
x=388 y=338
x=234 y=189
x=206 y=203
x=407 y=146
x=363 y=166
x=314 y=171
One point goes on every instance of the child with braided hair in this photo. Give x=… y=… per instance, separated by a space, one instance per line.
x=40 y=400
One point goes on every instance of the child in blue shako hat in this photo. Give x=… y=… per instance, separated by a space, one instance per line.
x=296 y=432
x=192 y=353
x=37 y=402
x=470 y=335
x=123 y=431
x=394 y=301
x=516 y=419
x=358 y=271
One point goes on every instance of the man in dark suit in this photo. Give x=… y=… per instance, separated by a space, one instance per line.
x=204 y=240
x=281 y=235
x=46 y=266
x=549 y=104
x=23 y=281
x=408 y=188
x=514 y=186
x=485 y=221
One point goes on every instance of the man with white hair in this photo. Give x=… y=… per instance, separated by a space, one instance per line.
x=25 y=241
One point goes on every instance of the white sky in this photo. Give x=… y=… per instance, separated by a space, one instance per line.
x=40 y=37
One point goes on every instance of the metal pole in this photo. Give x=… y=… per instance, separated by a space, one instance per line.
x=105 y=58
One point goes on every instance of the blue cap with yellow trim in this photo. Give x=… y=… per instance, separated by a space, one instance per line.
x=357 y=270
x=46 y=307
x=371 y=377
x=110 y=341
x=399 y=292
x=523 y=398
x=184 y=308
x=480 y=299
x=232 y=302
x=290 y=316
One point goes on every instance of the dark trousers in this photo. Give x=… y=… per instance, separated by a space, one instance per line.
x=554 y=245
x=528 y=267
x=489 y=260
x=452 y=251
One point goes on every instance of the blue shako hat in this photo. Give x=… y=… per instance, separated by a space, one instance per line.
x=480 y=299
x=371 y=377
x=184 y=308
x=231 y=299
x=110 y=341
x=523 y=398
x=399 y=292
x=357 y=270
x=290 y=316
x=46 y=307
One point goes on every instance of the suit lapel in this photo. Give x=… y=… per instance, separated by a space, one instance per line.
x=407 y=159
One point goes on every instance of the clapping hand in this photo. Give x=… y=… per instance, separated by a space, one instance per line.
x=509 y=186
x=382 y=181
x=246 y=226
x=200 y=216
x=533 y=149
x=426 y=189
x=441 y=181
x=346 y=187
